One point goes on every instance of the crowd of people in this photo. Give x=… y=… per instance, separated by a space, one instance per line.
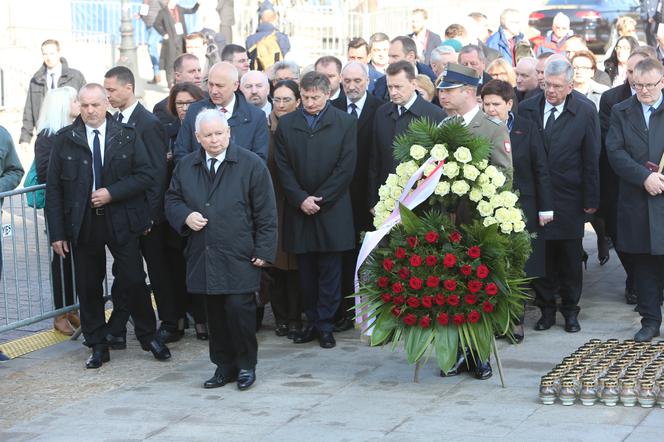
x=251 y=182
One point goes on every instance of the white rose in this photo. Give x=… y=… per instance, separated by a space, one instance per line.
x=475 y=194
x=384 y=191
x=515 y=215
x=460 y=187
x=491 y=171
x=506 y=227
x=498 y=180
x=482 y=164
x=418 y=152
x=502 y=215
x=488 y=190
x=509 y=198
x=401 y=170
x=403 y=180
x=483 y=179
x=451 y=170
x=484 y=208
x=463 y=155
x=489 y=220
x=429 y=169
x=395 y=192
x=442 y=188
x=470 y=172
x=392 y=180
x=519 y=226
x=439 y=152
x=496 y=201
x=389 y=204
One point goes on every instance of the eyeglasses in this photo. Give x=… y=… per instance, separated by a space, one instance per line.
x=285 y=100
x=183 y=104
x=647 y=86
x=583 y=68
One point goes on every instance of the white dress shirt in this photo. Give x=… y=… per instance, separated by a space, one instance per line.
x=89 y=132
x=229 y=108
x=408 y=104
x=547 y=110
x=220 y=159
x=56 y=72
x=468 y=116
x=646 y=109
x=126 y=114
x=359 y=104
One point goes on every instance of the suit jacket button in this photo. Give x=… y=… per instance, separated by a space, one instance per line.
x=85 y=161
x=207 y=204
x=69 y=158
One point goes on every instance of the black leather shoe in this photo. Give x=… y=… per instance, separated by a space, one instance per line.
x=546 y=321
x=460 y=366
x=158 y=349
x=483 y=371
x=292 y=331
x=246 y=378
x=116 y=342
x=326 y=340
x=167 y=336
x=201 y=332
x=517 y=334
x=218 y=380
x=99 y=355
x=572 y=323
x=305 y=335
x=343 y=325
x=646 y=333
x=281 y=330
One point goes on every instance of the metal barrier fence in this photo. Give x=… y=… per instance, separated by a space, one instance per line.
x=27 y=282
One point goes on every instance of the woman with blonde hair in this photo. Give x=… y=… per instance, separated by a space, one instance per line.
x=500 y=69
x=425 y=87
x=59 y=109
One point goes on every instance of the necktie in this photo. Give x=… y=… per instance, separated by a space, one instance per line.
x=550 y=120
x=652 y=110
x=224 y=110
x=213 y=171
x=120 y=117
x=96 y=160
x=52 y=81
x=401 y=110
x=353 y=110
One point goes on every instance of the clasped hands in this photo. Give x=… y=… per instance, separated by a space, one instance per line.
x=654 y=184
x=309 y=206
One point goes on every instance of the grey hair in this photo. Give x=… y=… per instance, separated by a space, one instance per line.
x=505 y=13
x=207 y=116
x=286 y=64
x=437 y=53
x=473 y=48
x=558 y=67
x=262 y=75
x=362 y=66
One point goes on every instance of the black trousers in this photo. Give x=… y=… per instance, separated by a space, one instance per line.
x=320 y=282
x=648 y=278
x=232 y=330
x=63 y=281
x=348 y=261
x=285 y=297
x=626 y=259
x=564 y=276
x=90 y=266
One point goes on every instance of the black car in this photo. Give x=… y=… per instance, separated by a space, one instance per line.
x=594 y=20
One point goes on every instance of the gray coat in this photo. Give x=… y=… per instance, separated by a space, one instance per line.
x=318 y=162
x=11 y=170
x=629 y=145
x=242 y=220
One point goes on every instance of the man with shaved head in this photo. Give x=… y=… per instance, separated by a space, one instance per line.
x=256 y=87
x=361 y=105
x=526 y=78
x=248 y=123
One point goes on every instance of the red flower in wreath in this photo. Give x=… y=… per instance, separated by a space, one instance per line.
x=410 y=319
x=450 y=284
x=412 y=241
x=482 y=271
x=433 y=281
x=404 y=273
x=470 y=299
x=396 y=311
x=449 y=260
x=491 y=289
x=398 y=300
x=443 y=318
x=431 y=260
x=427 y=301
x=416 y=260
x=458 y=319
x=474 y=286
x=388 y=264
x=453 y=300
x=466 y=270
x=440 y=299
x=415 y=283
x=425 y=322
x=397 y=287
x=431 y=237
x=413 y=302
x=454 y=237
x=387 y=298
x=383 y=281
x=474 y=252
x=473 y=316
x=400 y=252
x=487 y=306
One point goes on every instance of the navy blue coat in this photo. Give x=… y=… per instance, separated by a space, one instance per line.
x=248 y=128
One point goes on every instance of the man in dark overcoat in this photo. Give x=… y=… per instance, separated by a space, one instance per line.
x=634 y=147
x=571 y=134
x=315 y=152
x=221 y=198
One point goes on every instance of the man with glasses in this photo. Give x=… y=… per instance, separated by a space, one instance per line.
x=635 y=152
x=570 y=128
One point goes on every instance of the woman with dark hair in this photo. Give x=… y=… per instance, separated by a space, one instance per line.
x=531 y=173
x=616 y=64
x=285 y=295
x=182 y=95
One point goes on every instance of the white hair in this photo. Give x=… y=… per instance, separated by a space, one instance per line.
x=207 y=116
x=55 y=110
x=561 y=19
x=262 y=75
x=437 y=53
x=285 y=64
x=362 y=66
x=558 y=67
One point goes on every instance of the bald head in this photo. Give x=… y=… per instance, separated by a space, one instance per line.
x=222 y=83
x=526 y=74
x=94 y=104
x=255 y=87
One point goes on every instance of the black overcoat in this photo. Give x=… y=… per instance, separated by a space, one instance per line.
x=629 y=146
x=317 y=162
x=572 y=148
x=242 y=220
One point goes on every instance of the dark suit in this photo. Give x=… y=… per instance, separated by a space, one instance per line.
x=380 y=88
x=572 y=148
x=170 y=122
x=433 y=41
x=630 y=144
x=359 y=188
x=126 y=175
x=387 y=125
